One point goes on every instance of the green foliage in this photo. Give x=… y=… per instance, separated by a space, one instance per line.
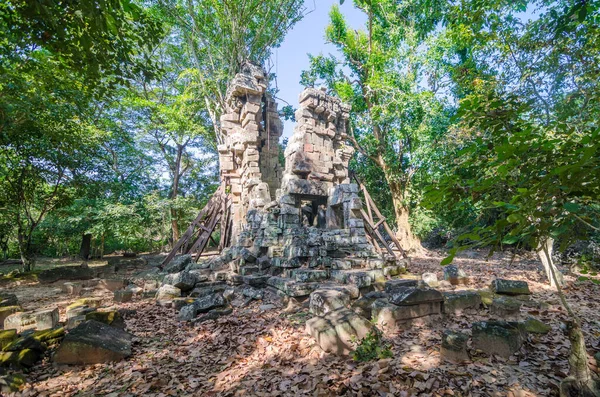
x=371 y=347
x=525 y=153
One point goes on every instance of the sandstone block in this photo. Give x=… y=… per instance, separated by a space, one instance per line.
x=510 y=287
x=455 y=275
x=430 y=279
x=504 y=307
x=167 y=292
x=39 y=319
x=113 y=284
x=457 y=302
x=335 y=330
x=323 y=301
x=6 y=311
x=497 y=337
x=93 y=342
x=454 y=346
x=112 y=318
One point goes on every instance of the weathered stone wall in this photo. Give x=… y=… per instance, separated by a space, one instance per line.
x=249 y=156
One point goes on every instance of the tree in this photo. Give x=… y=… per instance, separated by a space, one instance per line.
x=382 y=73
x=218 y=36
x=526 y=146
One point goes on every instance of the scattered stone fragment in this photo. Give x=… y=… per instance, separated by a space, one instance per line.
x=323 y=301
x=7 y=336
x=335 y=330
x=76 y=311
x=8 y=300
x=112 y=318
x=123 y=295
x=395 y=284
x=364 y=305
x=504 y=306
x=266 y=307
x=178 y=263
x=535 y=326
x=414 y=296
x=455 y=275
x=454 y=346
x=201 y=305
x=252 y=293
x=113 y=284
x=11 y=383
x=24 y=342
x=49 y=337
x=39 y=319
x=510 y=287
x=25 y=358
x=72 y=289
x=93 y=342
x=431 y=280
x=167 y=293
x=179 y=303
x=457 y=302
x=391 y=318
x=487 y=296
x=6 y=311
x=497 y=337
x=213 y=314
x=90 y=302
x=183 y=280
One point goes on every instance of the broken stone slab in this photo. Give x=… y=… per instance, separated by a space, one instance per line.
x=73 y=289
x=497 y=337
x=535 y=326
x=457 y=302
x=93 y=342
x=66 y=273
x=167 y=293
x=49 y=337
x=394 y=270
x=454 y=346
x=179 y=303
x=392 y=318
x=399 y=283
x=178 y=263
x=183 y=280
x=8 y=300
x=455 y=275
x=504 y=306
x=360 y=278
x=363 y=305
x=39 y=319
x=25 y=342
x=213 y=314
x=335 y=331
x=414 y=296
x=201 y=305
x=323 y=301
x=6 y=311
x=112 y=318
x=123 y=295
x=510 y=287
x=255 y=280
x=76 y=311
x=487 y=296
x=113 y=284
x=430 y=279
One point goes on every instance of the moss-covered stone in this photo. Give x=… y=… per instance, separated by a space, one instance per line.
x=49 y=336
x=7 y=336
x=536 y=326
x=487 y=296
x=91 y=302
x=25 y=358
x=11 y=383
x=24 y=342
x=112 y=318
x=6 y=311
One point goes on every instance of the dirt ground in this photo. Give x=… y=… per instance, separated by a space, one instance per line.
x=261 y=351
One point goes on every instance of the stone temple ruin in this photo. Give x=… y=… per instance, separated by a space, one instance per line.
x=296 y=225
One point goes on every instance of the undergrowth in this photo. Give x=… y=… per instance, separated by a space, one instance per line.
x=371 y=347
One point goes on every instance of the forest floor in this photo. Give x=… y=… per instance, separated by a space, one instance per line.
x=265 y=351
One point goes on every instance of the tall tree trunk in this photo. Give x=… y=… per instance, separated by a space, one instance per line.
x=175 y=192
x=408 y=241
x=549 y=266
x=24 y=250
x=581 y=382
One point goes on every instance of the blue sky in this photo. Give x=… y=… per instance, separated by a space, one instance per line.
x=307 y=37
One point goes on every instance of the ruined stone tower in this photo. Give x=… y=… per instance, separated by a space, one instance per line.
x=294 y=227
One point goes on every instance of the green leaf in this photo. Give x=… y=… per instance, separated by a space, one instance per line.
x=447 y=260
x=572 y=207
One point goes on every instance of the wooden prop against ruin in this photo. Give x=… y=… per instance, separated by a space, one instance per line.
x=374 y=224
x=197 y=235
